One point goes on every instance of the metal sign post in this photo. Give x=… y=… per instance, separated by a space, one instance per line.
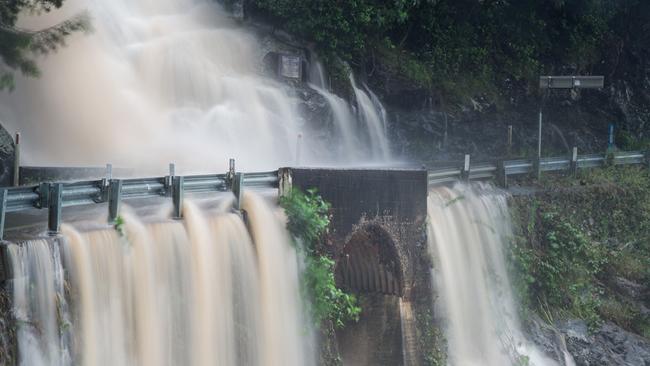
x=547 y=83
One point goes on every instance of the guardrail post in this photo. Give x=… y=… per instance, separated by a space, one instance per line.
x=464 y=174
x=54 y=210
x=231 y=170
x=43 y=195
x=4 y=193
x=537 y=167
x=237 y=188
x=502 y=175
x=114 y=199
x=646 y=155
x=169 y=180
x=177 y=196
x=610 y=156
x=16 y=177
x=573 y=168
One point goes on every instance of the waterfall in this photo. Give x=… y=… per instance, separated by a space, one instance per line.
x=202 y=291
x=467 y=231
x=170 y=81
x=39 y=304
x=373 y=115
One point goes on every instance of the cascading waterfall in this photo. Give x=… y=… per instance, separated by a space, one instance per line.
x=171 y=81
x=202 y=291
x=40 y=308
x=468 y=228
x=373 y=114
x=370 y=121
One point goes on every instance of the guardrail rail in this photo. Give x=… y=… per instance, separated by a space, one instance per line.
x=55 y=196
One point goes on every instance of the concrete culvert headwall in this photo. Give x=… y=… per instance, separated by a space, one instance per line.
x=369 y=263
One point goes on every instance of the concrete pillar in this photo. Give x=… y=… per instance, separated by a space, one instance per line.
x=284 y=181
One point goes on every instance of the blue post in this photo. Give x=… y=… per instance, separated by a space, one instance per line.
x=610 y=139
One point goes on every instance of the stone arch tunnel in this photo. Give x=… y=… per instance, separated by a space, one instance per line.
x=379 y=244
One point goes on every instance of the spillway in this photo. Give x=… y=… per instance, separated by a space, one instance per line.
x=468 y=230
x=207 y=290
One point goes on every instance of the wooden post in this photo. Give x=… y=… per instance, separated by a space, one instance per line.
x=54 y=210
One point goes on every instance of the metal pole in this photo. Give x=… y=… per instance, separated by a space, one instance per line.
x=466 y=168
x=3 y=210
x=539 y=135
x=17 y=161
x=298 y=143
x=237 y=188
x=574 y=162
x=177 y=196
x=538 y=161
x=114 y=198
x=54 y=214
x=509 y=140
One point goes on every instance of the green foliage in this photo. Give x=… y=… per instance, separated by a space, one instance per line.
x=571 y=244
x=119 y=226
x=328 y=301
x=561 y=273
x=18 y=47
x=308 y=216
x=431 y=339
x=308 y=220
x=463 y=45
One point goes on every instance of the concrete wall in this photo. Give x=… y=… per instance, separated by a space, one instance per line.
x=386 y=210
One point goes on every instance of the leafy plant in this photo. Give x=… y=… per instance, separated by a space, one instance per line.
x=308 y=220
x=18 y=47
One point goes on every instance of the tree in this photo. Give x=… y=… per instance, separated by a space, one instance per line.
x=18 y=47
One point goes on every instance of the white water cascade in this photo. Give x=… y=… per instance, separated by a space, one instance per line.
x=468 y=230
x=202 y=291
x=367 y=127
x=172 y=81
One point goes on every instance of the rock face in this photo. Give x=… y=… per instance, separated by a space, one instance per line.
x=609 y=345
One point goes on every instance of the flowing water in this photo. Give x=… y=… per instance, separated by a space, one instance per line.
x=202 y=291
x=468 y=230
x=174 y=81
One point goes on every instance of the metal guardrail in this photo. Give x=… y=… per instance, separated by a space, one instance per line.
x=55 y=196
x=502 y=170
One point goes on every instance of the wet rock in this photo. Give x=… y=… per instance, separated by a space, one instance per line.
x=608 y=345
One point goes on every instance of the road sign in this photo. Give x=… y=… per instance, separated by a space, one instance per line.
x=571 y=82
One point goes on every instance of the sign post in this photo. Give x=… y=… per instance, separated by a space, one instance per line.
x=562 y=82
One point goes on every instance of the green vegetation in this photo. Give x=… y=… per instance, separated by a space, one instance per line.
x=431 y=339
x=461 y=45
x=18 y=47
x=308 y=220
x=573 y=244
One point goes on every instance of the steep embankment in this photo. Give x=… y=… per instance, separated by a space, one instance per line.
x=455 y=74
x=581 y=264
